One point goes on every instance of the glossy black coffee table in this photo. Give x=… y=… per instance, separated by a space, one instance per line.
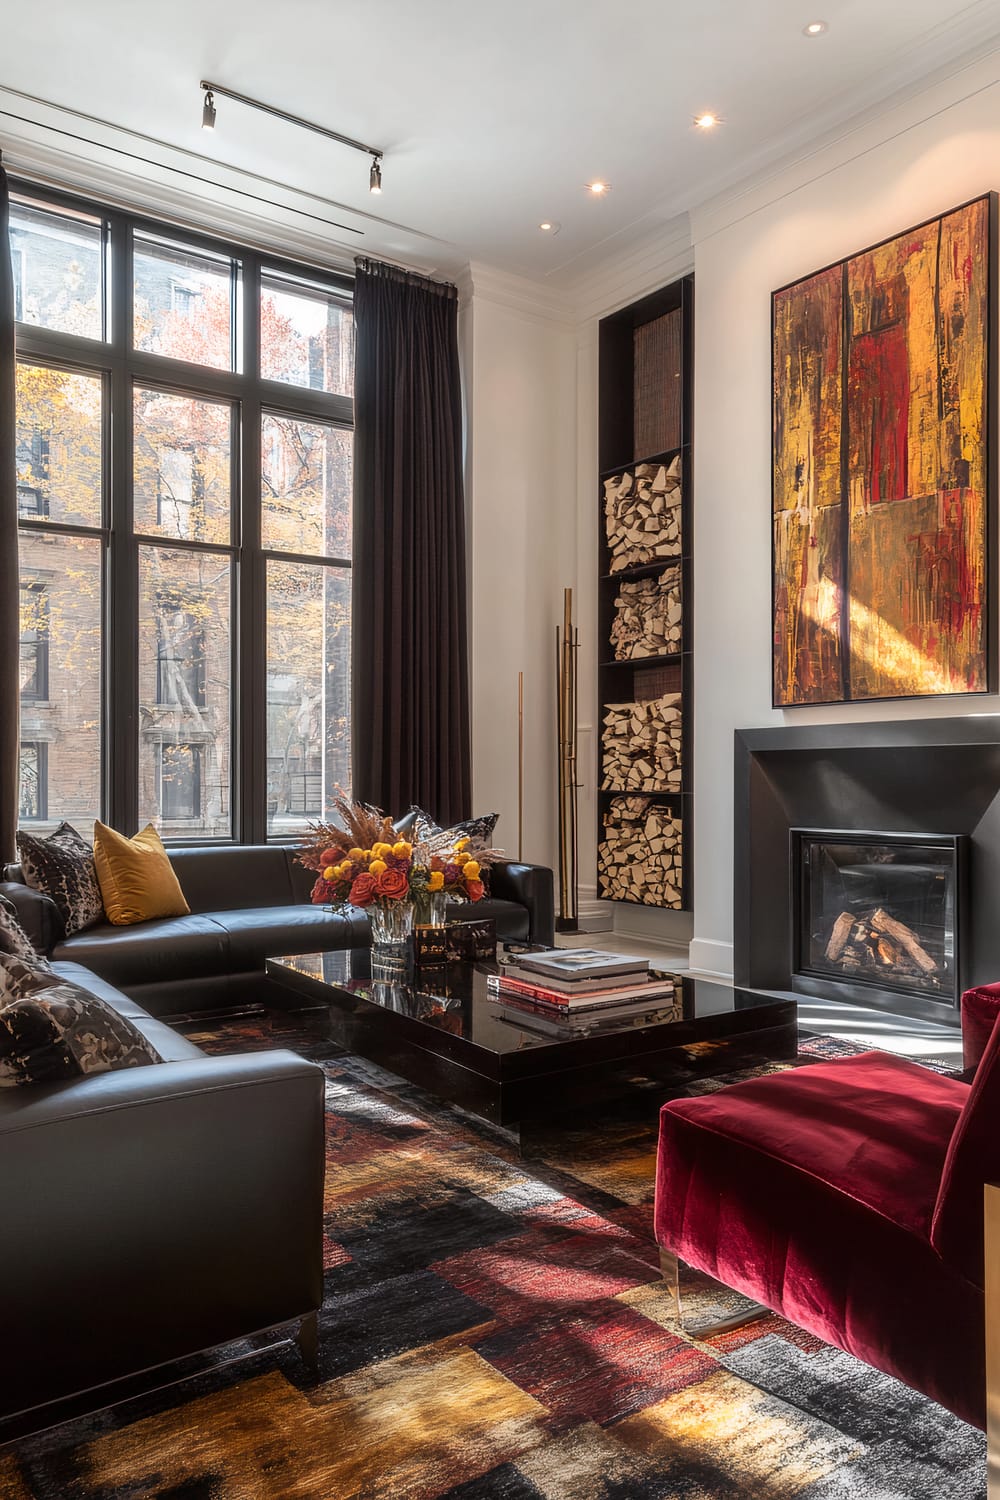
x=446 y=1031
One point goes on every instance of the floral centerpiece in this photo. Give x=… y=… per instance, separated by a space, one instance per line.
x=365 y=863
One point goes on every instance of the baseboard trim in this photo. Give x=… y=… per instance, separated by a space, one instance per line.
x=707 y=956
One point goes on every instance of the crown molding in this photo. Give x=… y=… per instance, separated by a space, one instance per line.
x=662 y=255
x=521 y=294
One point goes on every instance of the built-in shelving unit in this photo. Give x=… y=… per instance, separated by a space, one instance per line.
x=644 y=601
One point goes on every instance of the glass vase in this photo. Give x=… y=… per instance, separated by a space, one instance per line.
x=429 y=909
x=392 y=925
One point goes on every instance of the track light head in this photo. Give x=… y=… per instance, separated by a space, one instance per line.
x=375 y=176
x=208 y=111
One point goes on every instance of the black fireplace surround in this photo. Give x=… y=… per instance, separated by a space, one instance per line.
x=926 y=786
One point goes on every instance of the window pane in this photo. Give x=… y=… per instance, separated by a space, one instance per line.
x=184 y=687
x=181 y=467
x=308 y=692
x=57 y=258
x=183 y=303
x=61 y=678
x=59 y=445
x=306 y=486
x=306 y=334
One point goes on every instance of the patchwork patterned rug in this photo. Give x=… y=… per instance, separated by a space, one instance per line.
x=496 y=1329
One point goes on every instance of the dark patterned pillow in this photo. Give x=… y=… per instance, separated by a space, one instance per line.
x=21 y=976
x=65 y=1032
x=473 y=828
x=13 y=938
x=62 y=867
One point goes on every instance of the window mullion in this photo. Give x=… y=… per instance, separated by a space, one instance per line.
x=251 y=589
x=122 y=656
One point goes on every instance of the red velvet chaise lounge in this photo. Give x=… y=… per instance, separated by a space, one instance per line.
x=848 y=1197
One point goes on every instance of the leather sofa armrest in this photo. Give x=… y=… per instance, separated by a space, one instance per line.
x=154 y=1212
x=37 y=913
x=532 y=886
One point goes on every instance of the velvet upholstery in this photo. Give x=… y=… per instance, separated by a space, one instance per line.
x=980 y=1008
x=973 y=1159
x=814 y=1191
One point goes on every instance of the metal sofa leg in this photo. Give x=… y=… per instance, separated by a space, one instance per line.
x=307 y=1339
x=670 y=1267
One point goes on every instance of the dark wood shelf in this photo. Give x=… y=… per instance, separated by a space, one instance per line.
x=638 y=662
x=666 y=457
x=642 y=570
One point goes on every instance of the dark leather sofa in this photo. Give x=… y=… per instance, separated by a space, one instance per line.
x=153 y=1213
x=248 y=902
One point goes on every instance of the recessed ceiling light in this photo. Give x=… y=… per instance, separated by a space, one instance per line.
x=815 y=28
x=707 y=121
x=598 y=187
x=549 y=226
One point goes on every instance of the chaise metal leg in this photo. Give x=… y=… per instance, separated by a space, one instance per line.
x=670 y=1268
x=307 y=1339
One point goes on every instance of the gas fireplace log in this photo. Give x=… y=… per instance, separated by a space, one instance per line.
x=838 y=937
x=882 y=922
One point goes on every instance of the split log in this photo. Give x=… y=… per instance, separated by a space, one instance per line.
x=907 y=940
x=642 y=515
x=640 y=857
x=838 y=937
x=647 y=618
x=641 y=745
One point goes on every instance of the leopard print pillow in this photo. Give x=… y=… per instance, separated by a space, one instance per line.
x=62 y=867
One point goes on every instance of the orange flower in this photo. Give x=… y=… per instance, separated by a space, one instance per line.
x=475 y=890
x=363 y=890
x=392 y=884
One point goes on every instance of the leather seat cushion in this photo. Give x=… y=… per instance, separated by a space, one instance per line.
x=270 y=931
x=512 y=919
x=221 y=878
x=167 y=948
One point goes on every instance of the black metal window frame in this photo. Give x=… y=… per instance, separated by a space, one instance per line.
x=122 y=368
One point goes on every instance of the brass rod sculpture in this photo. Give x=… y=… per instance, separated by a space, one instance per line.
x=520 y=767
x=567 y=647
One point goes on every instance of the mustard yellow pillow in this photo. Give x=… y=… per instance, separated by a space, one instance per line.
x=136 y=878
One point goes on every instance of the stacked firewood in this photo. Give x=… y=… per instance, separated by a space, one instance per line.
x=642 y=514
x=873 y=942
x=639 y=858
x=641 y=745
x=647 y=618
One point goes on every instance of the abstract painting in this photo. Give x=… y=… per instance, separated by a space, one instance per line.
x=882 y=469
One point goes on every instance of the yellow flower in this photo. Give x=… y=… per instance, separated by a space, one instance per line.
x=471 y=870
x=331 y=872
x=435 y=880
x=402 y=850
x=356 y=854
x=380 y=850
x=377 y=866
x=463 y=843
x=366 y=855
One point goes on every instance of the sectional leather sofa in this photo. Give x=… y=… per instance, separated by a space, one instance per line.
x=248 y=903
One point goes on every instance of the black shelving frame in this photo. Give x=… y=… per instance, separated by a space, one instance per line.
x=616 y=680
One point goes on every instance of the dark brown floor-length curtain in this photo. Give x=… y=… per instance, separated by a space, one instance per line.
x=410 y=721
x=9 y=611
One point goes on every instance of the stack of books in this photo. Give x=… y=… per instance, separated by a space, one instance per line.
x=579 y=981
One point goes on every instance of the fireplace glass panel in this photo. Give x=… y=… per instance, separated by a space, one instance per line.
x=879 y=911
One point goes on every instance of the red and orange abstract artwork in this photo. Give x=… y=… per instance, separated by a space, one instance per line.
x=881 y=469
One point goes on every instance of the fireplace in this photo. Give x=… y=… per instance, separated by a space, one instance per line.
x=879 y=909
x=867 y=861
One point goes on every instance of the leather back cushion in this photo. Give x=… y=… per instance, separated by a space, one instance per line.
x=236 y=876
x=973 y=1159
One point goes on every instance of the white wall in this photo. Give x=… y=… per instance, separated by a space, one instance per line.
x=922 y=158
x=520 y=371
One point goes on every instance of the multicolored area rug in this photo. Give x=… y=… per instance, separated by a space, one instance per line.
x=496 y=1329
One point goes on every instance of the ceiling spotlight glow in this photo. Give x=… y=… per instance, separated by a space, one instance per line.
x=707 y=121
x=598 y=187
x=815 y=28
x=549 y=226
x=375 y=176
x=208 y=111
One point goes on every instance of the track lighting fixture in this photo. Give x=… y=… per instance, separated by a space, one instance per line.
x=208 y=123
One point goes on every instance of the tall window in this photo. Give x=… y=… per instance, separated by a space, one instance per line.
x=184 y=452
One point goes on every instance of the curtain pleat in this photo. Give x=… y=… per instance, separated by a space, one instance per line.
x=9 y=595
x=410 y=717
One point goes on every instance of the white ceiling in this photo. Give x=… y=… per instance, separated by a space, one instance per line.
x=492 y=117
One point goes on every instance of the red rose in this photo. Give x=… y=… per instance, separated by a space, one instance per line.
x=320 y=892
x=363 y=891
x=392 y=884
x=475 y=890
x=330 y=857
